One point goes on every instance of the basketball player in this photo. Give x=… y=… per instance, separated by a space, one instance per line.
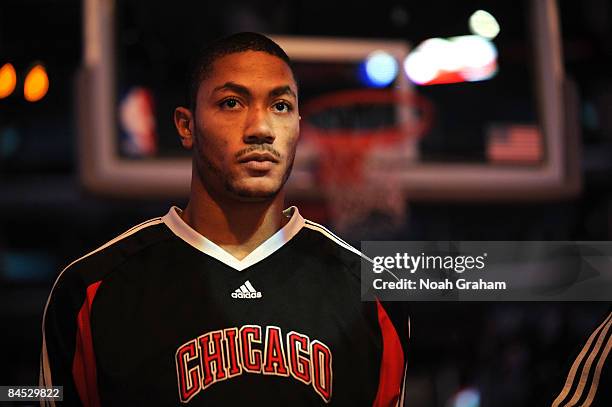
x=588 y=379
x=233 y=300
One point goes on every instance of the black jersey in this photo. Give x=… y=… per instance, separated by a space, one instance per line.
x=589 y=376
x=161 y=315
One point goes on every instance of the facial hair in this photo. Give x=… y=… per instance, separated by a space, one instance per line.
x=205 y=166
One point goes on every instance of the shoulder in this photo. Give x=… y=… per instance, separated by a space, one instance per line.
x=325 y=242
x=98 y=263
x=589 y=367
x=81 y=278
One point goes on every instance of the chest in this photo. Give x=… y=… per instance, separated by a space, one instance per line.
x=203 y=332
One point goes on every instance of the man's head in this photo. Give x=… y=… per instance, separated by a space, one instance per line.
x=243 y=117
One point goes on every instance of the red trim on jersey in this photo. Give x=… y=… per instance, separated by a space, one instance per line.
x=391 y=364
x=84 y=363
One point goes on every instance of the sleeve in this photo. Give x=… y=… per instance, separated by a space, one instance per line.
x=394 y=321
x=67 y=357
x=394 y=324
x=588 y=378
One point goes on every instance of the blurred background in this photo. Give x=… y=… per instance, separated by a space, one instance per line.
x=437 y=120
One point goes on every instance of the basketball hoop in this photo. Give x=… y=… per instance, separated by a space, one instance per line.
x=355 y=201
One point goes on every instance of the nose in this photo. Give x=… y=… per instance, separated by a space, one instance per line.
x=257 y=128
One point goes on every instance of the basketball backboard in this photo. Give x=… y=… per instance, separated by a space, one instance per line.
x=448 y=150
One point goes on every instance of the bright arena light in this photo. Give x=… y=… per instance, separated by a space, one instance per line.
x=381 y=68
x=474 y=51
x=419 y=69
x=466 y=58
x=484 y=24
x=440 y=52
x=469 y=397
x=8 y=80
x=36 y=84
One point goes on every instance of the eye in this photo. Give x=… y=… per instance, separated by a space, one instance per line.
x=230 y=103
x=282 y=107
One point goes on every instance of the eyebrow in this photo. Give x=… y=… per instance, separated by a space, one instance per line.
x=282 y=90
x=244 y=91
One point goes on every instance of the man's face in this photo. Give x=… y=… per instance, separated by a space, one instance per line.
x=246 y=125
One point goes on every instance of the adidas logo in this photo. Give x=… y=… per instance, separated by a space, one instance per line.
x=246 y=290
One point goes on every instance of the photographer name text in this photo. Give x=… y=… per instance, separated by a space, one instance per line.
x=446 y=284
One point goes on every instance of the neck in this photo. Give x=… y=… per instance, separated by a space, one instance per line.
x=237 y=226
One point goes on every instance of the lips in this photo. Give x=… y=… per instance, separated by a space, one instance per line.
x=258 y=157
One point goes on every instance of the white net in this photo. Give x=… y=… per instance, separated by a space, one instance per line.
x=360 y=207
x=351 y=131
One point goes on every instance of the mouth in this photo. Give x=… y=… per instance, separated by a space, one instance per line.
x=261 y=157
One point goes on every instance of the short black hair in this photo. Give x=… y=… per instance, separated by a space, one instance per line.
x=239 y=42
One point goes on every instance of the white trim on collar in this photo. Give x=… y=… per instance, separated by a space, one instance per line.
x=176 y=224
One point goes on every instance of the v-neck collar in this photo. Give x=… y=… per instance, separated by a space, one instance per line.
x=181 y=229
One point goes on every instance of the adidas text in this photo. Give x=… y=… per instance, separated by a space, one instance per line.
x=246 y=295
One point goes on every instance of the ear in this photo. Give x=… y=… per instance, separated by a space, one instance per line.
x=185 y=126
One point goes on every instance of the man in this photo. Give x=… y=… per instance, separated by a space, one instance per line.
x=232 y=300
x=588 y=379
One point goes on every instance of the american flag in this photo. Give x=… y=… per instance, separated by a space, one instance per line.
x=515 y=143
